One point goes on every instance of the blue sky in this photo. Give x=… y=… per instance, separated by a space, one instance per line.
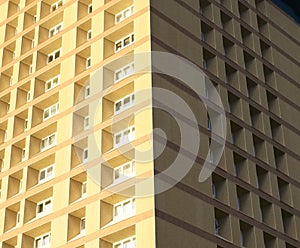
x=292 y=7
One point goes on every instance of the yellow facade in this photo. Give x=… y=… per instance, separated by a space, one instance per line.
x=71 y=128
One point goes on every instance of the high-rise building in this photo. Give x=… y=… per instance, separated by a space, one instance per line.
x=71 y=125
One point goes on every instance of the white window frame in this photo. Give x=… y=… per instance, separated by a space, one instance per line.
x=211 y=157
x=56 y=29
x=18 y=218
x=86 y=123
x=28 y=96
x=5 y=135
x=121 y=16
x=43 y=203
x=120 y=244
x=23 y=154
x=123 y=72
x=122 y=42
x=52 y=111
x=48 y=176
x=124 y=139
x=88 y=62
x=89 y=34
x=20 y=185
x=56 y=5
x=82 y=226
x=83 y=189
x=87 y=91
x=120 y=172
x=85 y=155
x=49 y=145
x=31 y=69
x=52 y=83
x=43 y=237
x=124 y=215
x=90 y=8
x=217 y=227
x=214 y=190
x=53 y=54
x=123 y=105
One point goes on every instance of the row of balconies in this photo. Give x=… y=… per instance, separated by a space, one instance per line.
x=41 y=238
x=55 y=24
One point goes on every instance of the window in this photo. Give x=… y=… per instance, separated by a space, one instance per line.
x=50 y=111
x=48 y=142
x=124 y=42
x=214 y=191
x=83 y=189
x=89 y=35
x=90 y=8
x=56 y=5
x=25 y=124
x=42 y=241
x=85 y=155
x=23 y=154
x=124 y=171
x=86 y=123
x=126 y=243
x=52 y=83
x=124 y=209
x=20 y=185
x=123 y=14
x=28 y=96
x=124 y=136
x=217 y=227
x=46 y=174
x=88 y=63
x=54 y=55
x=30 y=69
x=87 y=92
x=56 y=29
x=18 y=217
x=124 y=103
x=124 y=72
x=44 y=207
x=82 y=226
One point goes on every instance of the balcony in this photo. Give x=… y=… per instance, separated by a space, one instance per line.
x=125 y=238
x=119 y=40
x=124 y=137
x=124 y=72
x=17 y=154
x=42 y=241
x=15 y=184
x=50 y=111
x=115 y=209
x=39 y=237
x=84 y=33
x=49 y=54
x=85 y=7
x=118 y=13
x=80 y=120
x=12 y=217
x=43 y=139
x=83 y=60
x=76 y=224
x=45 y=109
x=41 y=171
x=126 y=243
x=48 y=142
x=78 y=187
x=21 y=123
x=38 y=205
